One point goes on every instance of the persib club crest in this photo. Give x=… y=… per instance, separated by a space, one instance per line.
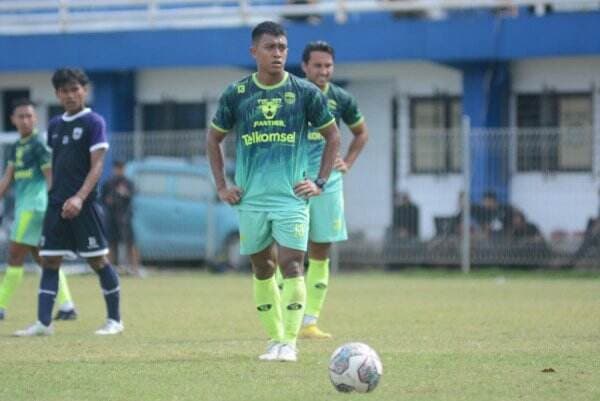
x=289 y=97
x=331 y=104
x=77 y=132
x=269 y=107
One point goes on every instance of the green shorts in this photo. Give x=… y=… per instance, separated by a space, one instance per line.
x=259 y=229
x=327 y=222
x=27 y=227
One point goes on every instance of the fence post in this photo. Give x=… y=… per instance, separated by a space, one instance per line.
x=334 y=258
x=211 y=230
x=138 y=136
x=466 y=202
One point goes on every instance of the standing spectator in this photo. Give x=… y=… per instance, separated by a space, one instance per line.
x=117 y=194
x=406 y=217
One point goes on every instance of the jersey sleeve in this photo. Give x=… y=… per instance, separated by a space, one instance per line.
x=351 y=115
x=224 y=118
x=98 y=139
x=51 y=127
x=11 y=155
x=317 y=112
x=43 y=155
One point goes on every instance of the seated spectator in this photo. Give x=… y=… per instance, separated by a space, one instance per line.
x=521 y=230
x=434 y=10
x=590 y=244
x=405 y=223
x=310 y=18
x=493 y=218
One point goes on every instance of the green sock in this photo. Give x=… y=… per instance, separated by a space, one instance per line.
x=293 y=298
x=64 y=294
x=279 y=277
x=317 y=281
x=12 y=279
x=268 y=304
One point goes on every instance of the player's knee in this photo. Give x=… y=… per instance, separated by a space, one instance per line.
x=97 y=262
x=319 y=250
x=16 y=258
x=264 y=269
x=292 y=268
x=50 y=262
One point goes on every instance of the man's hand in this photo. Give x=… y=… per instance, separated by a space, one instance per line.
x=341 y=165
x=306 y=189
x=71 y=207
x=231 y=195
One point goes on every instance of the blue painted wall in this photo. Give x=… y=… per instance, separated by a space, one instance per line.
x=114 y=99
x=486 y=96
x=473 y=36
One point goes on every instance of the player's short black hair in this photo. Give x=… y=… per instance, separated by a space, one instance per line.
x=267 y=28
x=21 y=102
x=64 y=76
x=317 y=46
x=118 y=163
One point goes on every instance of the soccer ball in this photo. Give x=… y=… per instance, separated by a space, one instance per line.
x=355 y=367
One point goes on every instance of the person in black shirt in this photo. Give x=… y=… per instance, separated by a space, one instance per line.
x=405 y=218
x=117 y=195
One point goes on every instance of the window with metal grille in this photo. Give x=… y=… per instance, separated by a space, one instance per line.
x=554 y=132
x=435 y=134
x=168 y=116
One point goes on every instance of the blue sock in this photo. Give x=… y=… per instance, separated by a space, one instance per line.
x=109 y=281
x=47 y=295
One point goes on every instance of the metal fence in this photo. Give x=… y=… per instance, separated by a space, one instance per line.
x=524 y=197
x=519 y=197
x=62 y=16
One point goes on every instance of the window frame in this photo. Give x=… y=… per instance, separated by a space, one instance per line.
x=447 y=104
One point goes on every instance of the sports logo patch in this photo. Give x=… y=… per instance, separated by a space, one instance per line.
x=289 y=97
x=77 y=132
x=92 y=243
x=269 y=107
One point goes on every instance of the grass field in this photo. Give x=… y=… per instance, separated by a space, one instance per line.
x=195 y=336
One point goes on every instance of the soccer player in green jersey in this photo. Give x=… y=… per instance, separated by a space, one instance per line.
x=270 y=112
x=327 y=222
x=29 y=168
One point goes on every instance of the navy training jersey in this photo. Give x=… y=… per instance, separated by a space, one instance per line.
x=72 y=139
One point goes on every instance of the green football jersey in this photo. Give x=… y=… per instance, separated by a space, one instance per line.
x=271 y=127
x=29 y=156
x=344 y=108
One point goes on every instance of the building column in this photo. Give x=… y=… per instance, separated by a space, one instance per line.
x=114 y=99
x=486 y=100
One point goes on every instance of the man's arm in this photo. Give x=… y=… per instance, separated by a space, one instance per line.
x=308 y=188
x=217 y=165
x=360 y=138
x=7 y=179
x=48 y=176
x=72 y=206
x=332 y=146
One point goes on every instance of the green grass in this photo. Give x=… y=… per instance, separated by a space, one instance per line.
x=196 y=336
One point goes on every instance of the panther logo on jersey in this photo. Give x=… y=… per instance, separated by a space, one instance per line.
x=269 y=107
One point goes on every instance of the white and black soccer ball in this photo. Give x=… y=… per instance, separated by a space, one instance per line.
x=355 y=367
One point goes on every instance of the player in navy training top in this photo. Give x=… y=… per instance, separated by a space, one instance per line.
x=73 y=220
